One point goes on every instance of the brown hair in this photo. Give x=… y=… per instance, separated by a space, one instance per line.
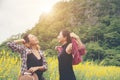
x=25 y=37
x=66 y=34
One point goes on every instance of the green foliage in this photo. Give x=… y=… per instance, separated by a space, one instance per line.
x=96 y=22
x=10 y=69
x=94 y=52
x=50 y=52
x=112 y=57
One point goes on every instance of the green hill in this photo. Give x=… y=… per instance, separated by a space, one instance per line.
x=97 y=22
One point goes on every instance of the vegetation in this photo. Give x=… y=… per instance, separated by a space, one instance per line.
x=97 y=23
x=10 y=69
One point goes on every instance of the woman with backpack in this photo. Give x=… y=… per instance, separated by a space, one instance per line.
x=65 y=55
x=31 y=55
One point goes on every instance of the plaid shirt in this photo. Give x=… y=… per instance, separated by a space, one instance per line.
x=23 y=51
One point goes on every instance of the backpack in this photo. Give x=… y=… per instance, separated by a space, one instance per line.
x=77 y=52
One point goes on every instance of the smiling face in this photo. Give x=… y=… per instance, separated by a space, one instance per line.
x=33 y=39
x=61 y=38
x=64 y=36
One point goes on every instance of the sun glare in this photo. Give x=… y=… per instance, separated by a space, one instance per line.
x=47 y=8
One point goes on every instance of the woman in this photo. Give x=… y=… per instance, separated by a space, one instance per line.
x=32 y=58
x=65 y=57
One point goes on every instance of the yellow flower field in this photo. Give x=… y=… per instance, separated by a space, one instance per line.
x=10 y=69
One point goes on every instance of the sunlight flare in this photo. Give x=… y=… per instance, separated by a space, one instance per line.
x=46 y=9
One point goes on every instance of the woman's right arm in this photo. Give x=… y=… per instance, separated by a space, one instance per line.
x=15 y=46
x=73 y=35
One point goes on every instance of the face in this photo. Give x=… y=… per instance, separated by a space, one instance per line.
x=61 y=38
x=33 y=39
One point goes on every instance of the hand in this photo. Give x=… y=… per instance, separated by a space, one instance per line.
x=73 y=35
x=33 y=69
x=56 y=47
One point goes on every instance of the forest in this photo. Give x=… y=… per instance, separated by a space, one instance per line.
x=96 y=22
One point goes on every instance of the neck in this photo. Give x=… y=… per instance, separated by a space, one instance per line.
x=34 y=47
x=64 y=42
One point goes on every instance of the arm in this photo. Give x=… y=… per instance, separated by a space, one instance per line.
x=69 y=48
x=73 y=35
x=79 y=42
x=44 y=67
x=19 y=41
x=17 y=47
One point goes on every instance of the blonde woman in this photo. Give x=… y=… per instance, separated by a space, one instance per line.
x=31 y=55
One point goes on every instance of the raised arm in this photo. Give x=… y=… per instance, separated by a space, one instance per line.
x=15 y=46
x=73 y=35
x=69 y=48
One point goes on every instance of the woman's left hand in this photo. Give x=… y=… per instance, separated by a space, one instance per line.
x=33 y=69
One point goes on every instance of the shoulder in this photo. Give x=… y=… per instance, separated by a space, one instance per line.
x=28 y=51
x=41 y=52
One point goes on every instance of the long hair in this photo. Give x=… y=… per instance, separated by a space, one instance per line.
x=66 y=34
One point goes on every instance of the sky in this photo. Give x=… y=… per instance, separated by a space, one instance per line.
x=17 y=16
